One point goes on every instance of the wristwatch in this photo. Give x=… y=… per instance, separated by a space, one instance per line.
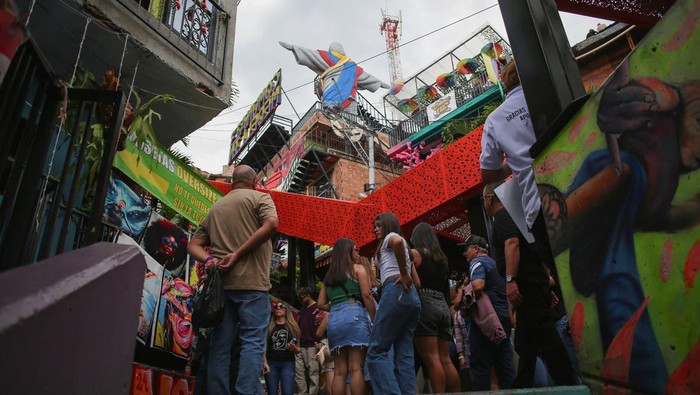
x=509 y=278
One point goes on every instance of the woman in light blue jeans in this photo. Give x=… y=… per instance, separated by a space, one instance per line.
x=397 y=316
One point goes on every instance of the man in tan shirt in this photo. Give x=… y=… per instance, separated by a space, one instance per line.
x=238 y=230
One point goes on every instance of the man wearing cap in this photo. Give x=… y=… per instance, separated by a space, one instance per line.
x=528 y=291
x=486 y=355
x=305 y=361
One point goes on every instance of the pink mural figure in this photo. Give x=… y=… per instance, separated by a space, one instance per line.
x=339 y=76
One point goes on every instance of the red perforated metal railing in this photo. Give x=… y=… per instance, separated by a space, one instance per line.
x=643 y=13
x=433 y=192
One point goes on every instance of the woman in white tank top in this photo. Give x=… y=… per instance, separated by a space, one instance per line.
x=397 y=316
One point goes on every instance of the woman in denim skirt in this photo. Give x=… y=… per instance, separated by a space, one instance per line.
x=398 y=312
x=434 y=332
x=345 y=292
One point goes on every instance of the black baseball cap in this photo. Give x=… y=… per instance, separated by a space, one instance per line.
x=475 y=240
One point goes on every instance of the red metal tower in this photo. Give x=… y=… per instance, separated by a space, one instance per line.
x=390 y=28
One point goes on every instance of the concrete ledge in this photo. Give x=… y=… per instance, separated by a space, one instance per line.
x=568 y=390
x=68 y=324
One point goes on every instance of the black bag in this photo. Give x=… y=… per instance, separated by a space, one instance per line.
x=208 y=307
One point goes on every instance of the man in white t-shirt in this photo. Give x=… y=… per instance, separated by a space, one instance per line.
x=508 y=132
x=505 y=150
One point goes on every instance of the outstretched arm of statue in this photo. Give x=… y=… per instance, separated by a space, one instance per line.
x=371 y=83
x=306 y=57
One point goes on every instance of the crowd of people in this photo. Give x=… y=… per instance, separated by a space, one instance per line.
x=378 y=320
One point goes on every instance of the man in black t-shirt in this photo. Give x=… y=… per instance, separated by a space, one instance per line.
x=527 y=290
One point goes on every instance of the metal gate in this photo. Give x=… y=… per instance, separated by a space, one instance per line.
x=52 y=185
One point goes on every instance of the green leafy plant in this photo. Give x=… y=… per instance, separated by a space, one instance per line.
x=142 y=124
x=138 y=118
x=456 y=129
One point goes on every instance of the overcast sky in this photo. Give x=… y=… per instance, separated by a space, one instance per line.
x=314 y=24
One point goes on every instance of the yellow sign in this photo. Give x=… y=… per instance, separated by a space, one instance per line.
x=168 y=179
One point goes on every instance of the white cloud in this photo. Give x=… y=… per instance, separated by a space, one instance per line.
x=261 y=24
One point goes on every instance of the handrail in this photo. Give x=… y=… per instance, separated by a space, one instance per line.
x=310 y=113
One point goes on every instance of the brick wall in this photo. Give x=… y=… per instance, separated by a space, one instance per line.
x=596 y=68
x=350 y=177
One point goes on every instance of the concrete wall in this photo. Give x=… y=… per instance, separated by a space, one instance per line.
x=152 y=32
x=68 y=324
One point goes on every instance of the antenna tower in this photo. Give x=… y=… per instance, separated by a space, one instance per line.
x=390 y=28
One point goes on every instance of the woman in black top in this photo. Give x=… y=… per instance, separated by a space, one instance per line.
x=434 y=333
x=282 y=335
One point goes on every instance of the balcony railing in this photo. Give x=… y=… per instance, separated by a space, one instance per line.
x=197 y=24
x=195 y=21
x=328 y=142
x=321 y=190
x=476 y=86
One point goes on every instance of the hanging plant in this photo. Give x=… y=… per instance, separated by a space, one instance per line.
x=458 y=128
x=138 y=119
x=142 y=124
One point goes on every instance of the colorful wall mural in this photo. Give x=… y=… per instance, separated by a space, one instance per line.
x=620 y=188
x=146 y=380
x=171 y=279
x=124 y=208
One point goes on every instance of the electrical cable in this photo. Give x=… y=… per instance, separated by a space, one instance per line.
x=385 y=52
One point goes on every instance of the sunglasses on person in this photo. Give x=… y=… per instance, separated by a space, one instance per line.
x=168 y=241
x=280 y=307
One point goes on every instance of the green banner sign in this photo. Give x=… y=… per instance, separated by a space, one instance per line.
x=168 y=179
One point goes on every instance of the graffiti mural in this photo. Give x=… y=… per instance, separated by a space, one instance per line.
x=166 y=243
x=146 y=380
x=124 y=208
x=620 y=188
x=173 y=321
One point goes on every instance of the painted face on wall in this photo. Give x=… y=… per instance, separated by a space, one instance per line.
x=168 y=245
x=179 y=315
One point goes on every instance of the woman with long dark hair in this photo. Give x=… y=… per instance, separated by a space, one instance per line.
x=278 y=361
x=344 y=291
x=434 y=334
x=398 y=312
